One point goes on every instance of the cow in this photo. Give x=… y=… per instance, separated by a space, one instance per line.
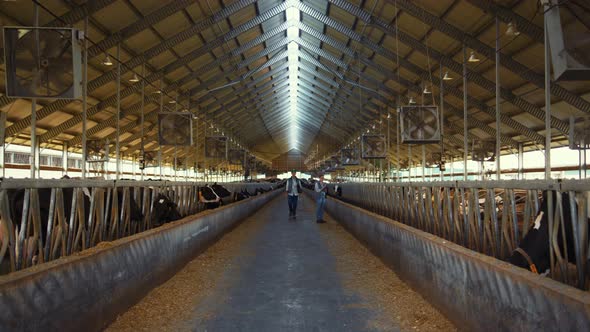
x=533 y=252
x=209 y=198
x=220 y=190
x=164 y=211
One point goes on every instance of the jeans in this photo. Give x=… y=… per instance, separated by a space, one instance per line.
x=319 y=213
x=292 y=200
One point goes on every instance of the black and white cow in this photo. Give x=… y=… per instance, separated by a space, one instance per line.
x=220 y=190
x=533 y=253
x=164 y=211
x=209 y=198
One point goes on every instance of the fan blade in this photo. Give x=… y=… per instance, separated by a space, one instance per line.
x=430 y=131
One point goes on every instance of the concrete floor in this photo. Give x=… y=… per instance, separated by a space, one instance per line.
x=286 y=280
x=272 y=273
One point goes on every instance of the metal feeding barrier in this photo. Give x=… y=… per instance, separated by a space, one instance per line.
x=490 y=217
x=42 y=220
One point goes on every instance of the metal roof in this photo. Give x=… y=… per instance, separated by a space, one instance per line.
x=307 y=75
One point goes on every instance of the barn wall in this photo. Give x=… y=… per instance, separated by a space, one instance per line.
x=477 y=292
x=86 y=292
x=289 y=161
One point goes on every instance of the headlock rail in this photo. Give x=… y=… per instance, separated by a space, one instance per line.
x=42 y=220
x=490 y=217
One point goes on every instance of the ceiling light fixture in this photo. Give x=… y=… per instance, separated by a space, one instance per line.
x=426 y=91
x=107 y=60
x=511 y=30
x=134 y=79
x=172 y=102
x=473 y=58
x=412 y=101
x=447 y=77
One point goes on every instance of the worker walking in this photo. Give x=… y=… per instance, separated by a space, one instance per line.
x=293 y=190
x=322 y=189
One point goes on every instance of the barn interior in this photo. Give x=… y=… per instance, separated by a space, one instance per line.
x=418 y=111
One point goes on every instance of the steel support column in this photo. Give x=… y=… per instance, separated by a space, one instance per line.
x=141 y=150
x=520 y=161
x=465 y=131
x=442 y=119
x=2 y=143
x=547 y=97
x=118 y=117
x=64 y=158
x=84 y=99
x=498 y=106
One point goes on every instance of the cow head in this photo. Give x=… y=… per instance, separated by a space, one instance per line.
x=164 y=211
x=536 y=243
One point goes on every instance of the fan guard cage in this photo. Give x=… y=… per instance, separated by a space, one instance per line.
x=49 y=67
x=433 y=160
x=97 y=150
x=216 y=147
x=149 y=159
x=175 y=128
x=420 y=124
x=180 y=164
x=404 y=165
x=374 y=146
x=579 y=135
x=235 y=157
x=483 y=150
x=350 y=157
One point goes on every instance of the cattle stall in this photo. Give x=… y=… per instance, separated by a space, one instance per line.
x=42 y=220
x=87 y=291
x=477 y=292
x=490 y=217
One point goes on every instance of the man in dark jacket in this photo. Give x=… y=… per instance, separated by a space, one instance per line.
x=293 y=189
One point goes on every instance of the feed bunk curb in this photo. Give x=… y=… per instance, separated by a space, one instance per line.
x=87 y=291
x=475 y=291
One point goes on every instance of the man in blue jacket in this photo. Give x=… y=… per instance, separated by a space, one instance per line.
x=293 y=189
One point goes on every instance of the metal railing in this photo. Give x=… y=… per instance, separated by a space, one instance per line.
x=60 y=217
x=490 y=217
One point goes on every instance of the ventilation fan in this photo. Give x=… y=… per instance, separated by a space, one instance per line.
x=175 y=128
x=97 y=150
x=180 y=164
x=373 y=146
x=483 y=150
x=216 y=147
x=43 y=62
x=235 y=157
x=149 y=159
x=419 y=124
x=404 y=165
x=579 y=135
x=569 y=41
x=350 y=157
x=433 y=160
x=337 y=163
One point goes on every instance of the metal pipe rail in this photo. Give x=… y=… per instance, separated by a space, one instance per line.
x=504 y=212
x=62 y=217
